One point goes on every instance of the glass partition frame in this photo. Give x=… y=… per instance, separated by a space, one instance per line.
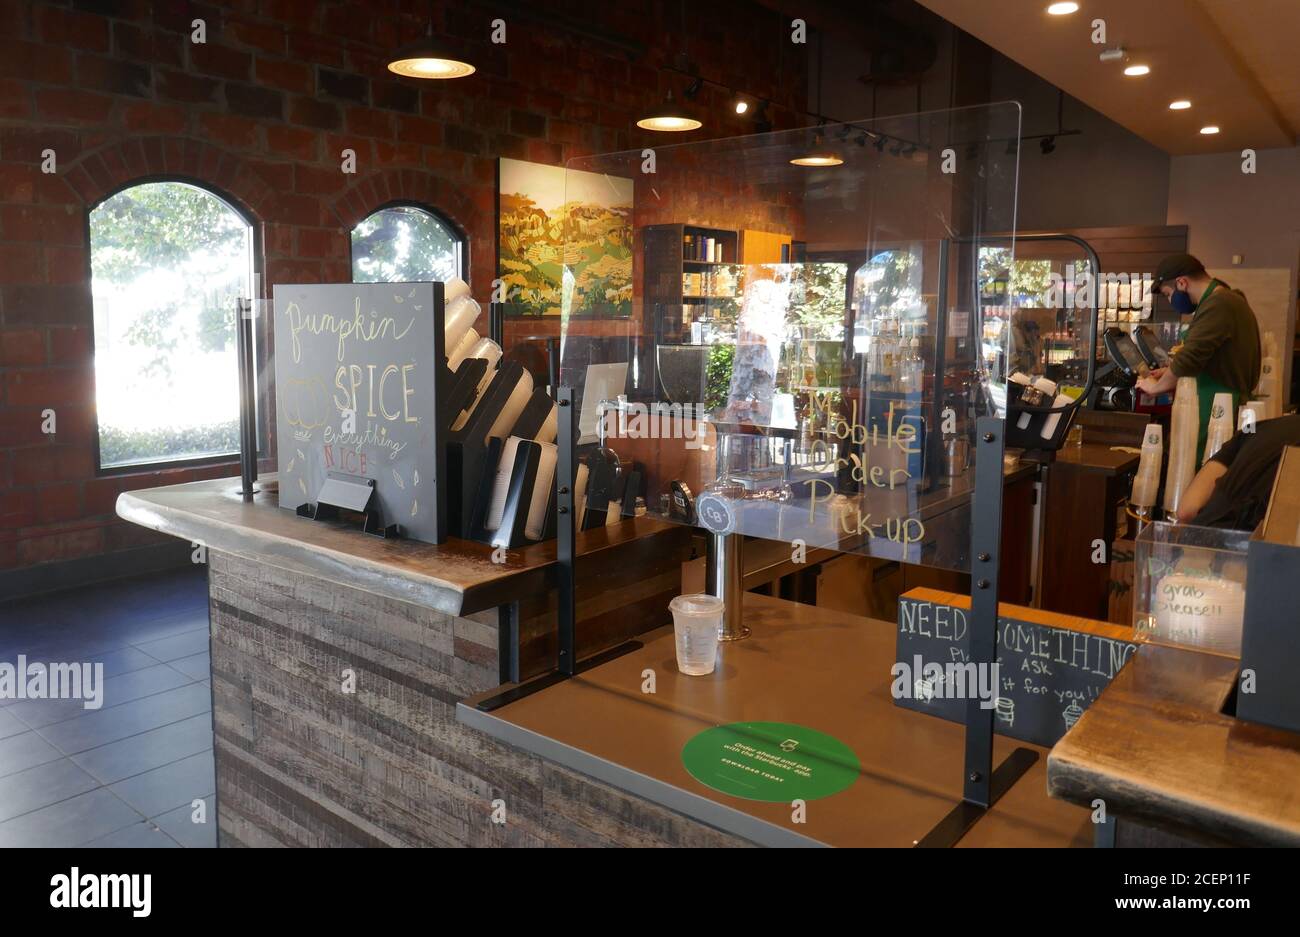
x=808 y=350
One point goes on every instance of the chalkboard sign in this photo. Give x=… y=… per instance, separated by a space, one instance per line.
x=357 y=369
x=1048 y=675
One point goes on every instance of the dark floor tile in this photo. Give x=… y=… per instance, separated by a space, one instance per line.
x=41 y=786
x=179 y=825
x=70 y=822
x=141 y=683
x=125 y=660
x=143 y=835
x=68 y=648
x=177 y=646
x=123 y=688
x=100 y=727
x=148 y=750
x=170 y=786
x=196 y=667
x=37 y=713
x=10 y=724
x=23 y=751
x=143 y=632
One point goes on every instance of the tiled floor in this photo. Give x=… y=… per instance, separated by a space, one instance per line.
x=127 y=774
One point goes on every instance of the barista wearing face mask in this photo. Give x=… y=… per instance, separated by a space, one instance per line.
x=1221 y=344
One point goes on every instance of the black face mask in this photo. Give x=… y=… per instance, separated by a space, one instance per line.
x=1182 y=302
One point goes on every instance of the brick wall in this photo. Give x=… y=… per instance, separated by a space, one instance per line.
x=261 y=112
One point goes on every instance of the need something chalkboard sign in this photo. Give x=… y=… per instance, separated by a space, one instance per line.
x=356 y=374
x=1051 y=666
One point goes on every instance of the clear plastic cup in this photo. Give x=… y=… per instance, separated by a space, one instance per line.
x=696 y=620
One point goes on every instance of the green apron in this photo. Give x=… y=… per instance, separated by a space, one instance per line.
x=1206 y=389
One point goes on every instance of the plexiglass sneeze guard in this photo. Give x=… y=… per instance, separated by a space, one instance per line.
x=783 y=333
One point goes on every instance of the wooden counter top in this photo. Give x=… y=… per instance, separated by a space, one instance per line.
x=1097 y=457
x=1156 y=746
x=457 y=577
x=814 y=667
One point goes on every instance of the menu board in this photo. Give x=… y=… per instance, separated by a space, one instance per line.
x=1047 y=675
x=356 y=397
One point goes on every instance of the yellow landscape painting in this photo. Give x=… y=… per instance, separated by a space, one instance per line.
x=550 y=219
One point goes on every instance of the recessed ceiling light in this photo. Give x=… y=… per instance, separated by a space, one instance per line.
x=1209 y=130
x=1064 y=8
x=1180 y=105
x=742 y=107
x=818 y=159
x=1133 y=71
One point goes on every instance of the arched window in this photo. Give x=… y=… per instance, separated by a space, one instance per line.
x=406 y=243
x=168 y=261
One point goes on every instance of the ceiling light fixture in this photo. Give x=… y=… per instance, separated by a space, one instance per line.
x=1136 y=71
x=817 y=159
x=1047 y=145
x=741 y=105
x=669 y=118
x=1064 y=8
x=693 y=89
x=1179 y=105
x=428 y=58
x=1211 y=129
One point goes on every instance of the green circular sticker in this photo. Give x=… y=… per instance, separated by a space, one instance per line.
x=774 y=762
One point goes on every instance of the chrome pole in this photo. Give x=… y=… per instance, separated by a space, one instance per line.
x=725 y=579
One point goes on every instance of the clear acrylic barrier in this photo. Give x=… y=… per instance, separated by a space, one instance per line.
x=807 y=351
x=1190 y=588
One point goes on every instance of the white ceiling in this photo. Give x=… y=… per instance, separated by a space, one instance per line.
x=1235 y=60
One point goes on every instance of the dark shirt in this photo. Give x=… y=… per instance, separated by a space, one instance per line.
x=1240 y=497
x=1222 y=342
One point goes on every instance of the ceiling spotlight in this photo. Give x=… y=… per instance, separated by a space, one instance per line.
x=1179 y=105
x=879 y=144
x=1065 y=8
x=693 y=89
x=1209 y=130
x=896 y=149
x=669 y=118
x=1135 y=71
x=1047 y=145
x=741 y=105
x=910 y=151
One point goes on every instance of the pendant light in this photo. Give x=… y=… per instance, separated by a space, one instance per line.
x=818 y=156
x=669 y=118
x=428 y=58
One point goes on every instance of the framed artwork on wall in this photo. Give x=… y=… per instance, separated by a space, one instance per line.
x=539 y=208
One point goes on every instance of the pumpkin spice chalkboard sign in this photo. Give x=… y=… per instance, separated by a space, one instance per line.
x=356 y=375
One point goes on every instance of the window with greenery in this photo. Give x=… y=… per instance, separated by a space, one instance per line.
x=404 y=243
x=168 y=261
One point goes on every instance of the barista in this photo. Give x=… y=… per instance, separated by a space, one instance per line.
x=1221 y=345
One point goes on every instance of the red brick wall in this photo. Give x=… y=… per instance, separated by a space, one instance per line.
x=261 y=112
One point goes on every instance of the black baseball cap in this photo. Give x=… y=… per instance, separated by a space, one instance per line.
x=1174 y=266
